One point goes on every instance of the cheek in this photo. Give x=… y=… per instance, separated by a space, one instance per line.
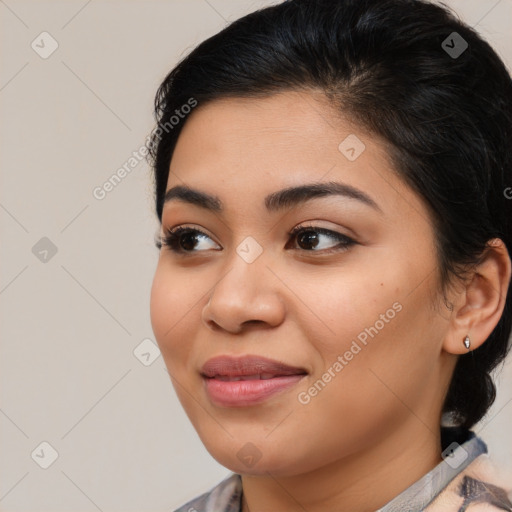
x=161 y=305
x=350 y=305
x=376 y=318
x=173 y=302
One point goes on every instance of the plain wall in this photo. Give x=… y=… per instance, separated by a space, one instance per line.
x=72 y=320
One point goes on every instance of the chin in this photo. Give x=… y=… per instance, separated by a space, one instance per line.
x=249 y=460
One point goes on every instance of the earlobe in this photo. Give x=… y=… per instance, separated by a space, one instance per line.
x=480 y=303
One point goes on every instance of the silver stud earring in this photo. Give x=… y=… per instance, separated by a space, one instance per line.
x=467 y=342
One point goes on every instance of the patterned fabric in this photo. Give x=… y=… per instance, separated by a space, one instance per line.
x=464 y=481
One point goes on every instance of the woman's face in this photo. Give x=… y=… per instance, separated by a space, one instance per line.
x=348 y=299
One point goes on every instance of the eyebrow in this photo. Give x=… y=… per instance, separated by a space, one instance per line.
x=285 y=198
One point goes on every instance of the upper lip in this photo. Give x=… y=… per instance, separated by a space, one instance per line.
x=247 y=365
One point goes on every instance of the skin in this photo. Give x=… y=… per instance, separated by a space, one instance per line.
x=380 y=415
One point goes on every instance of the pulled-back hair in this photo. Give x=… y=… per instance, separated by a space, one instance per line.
x=395 y=68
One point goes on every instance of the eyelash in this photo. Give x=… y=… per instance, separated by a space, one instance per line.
x=172 y=237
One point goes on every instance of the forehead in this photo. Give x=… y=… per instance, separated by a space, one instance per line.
x=292 y=123
x=292 y=135
x=241 y=150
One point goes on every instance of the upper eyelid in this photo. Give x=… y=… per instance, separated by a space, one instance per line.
x=184 y=227
x=169 y=232
x=321 y=229
x=316 y=227
x=293 y=232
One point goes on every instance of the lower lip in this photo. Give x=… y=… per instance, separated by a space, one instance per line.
x=240 y=393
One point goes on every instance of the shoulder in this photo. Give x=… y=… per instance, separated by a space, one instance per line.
x=480 y=485
x=224 y=497
x=465 y=477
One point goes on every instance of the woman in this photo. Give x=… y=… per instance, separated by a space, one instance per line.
x=333 y=287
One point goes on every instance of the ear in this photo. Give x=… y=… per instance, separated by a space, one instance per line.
x=479 y=304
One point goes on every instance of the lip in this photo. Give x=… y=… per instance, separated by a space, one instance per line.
x=248 y=380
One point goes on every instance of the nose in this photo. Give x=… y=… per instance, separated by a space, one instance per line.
x=247 y=296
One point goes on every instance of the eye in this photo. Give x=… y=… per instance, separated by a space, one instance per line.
x=315 y=239
x=184 y=240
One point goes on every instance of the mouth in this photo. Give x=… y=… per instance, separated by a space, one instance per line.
x=248 y=380
x=260 y=376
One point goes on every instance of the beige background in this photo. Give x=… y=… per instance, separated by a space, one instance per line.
x=70 y=325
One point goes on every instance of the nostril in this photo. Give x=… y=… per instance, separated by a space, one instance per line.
x=252 y=322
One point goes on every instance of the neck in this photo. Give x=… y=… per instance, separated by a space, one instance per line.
x=365 y=481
